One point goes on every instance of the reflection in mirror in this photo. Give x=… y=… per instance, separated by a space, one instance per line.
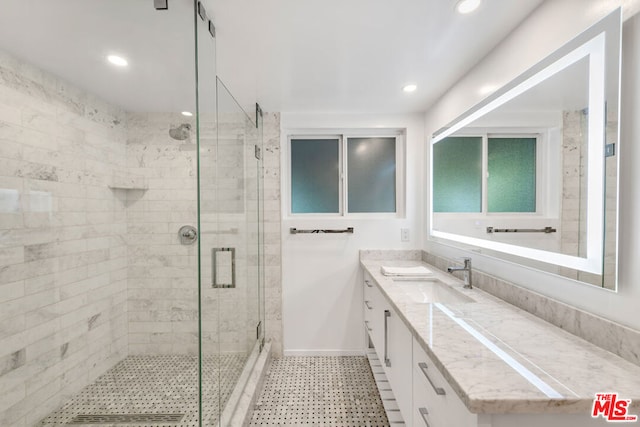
x=530 y=174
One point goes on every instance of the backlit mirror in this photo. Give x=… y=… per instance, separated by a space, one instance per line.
x=530 y=174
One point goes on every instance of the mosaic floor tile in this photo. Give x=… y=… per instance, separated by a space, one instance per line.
x=149 y=391
x=320 y=391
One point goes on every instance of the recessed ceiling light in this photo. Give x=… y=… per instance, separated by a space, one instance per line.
x=410 y=88
x=117 y=60
x=187 y=113
x=467 y=6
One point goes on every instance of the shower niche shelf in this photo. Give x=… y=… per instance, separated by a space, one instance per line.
x=123 y=187
x=129 y=184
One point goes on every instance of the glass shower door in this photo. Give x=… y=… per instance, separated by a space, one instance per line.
x=230 y=176
x=208 y=303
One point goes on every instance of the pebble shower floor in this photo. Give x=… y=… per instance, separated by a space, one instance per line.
x=321 y=392
x=146 y=391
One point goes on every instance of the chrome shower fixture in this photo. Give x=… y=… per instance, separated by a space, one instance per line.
x=161 y=4
x=180 y=133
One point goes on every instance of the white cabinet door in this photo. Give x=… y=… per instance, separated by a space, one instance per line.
x=374 y=307
x=433 y=393
x=368 y=293
x=399 y=356
x=422 y=407
x=380 y=306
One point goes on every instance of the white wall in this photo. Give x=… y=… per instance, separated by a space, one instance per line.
x=322 y=282
x=549 y=27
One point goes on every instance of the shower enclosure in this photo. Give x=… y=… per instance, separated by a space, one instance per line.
x=131 y=200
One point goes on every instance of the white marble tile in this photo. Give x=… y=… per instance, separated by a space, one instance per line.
x=61 y=181
x=67 y=251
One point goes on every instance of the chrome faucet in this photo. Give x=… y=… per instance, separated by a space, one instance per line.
x=467 y=272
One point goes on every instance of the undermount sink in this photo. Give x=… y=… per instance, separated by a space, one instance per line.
x=431 y=291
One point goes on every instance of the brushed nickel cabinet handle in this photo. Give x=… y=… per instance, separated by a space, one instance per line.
x=387 y=361
x=439 y=390
x=423 y=414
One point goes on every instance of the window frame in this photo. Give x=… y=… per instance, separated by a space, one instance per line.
x=343 y=136
x=539 y=168
x=542 y=190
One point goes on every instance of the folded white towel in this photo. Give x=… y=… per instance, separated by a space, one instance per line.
x=414 y=278
x=418 y=271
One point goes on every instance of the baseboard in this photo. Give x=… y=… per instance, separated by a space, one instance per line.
x=359 y=352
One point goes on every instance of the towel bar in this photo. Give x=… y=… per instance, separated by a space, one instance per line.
x=294 y=230
x=521 y=230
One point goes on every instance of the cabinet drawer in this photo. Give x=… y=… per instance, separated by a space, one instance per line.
x=399 y=356
x=369 y=297
x=369 y=287
x=374 y=305
x=433 y=392
x=423 y=404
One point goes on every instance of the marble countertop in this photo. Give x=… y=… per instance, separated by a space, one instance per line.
x=500 y=359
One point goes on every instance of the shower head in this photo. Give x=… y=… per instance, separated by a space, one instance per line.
x=181 y=132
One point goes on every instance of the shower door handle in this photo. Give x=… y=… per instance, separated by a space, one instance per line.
x=217 y=282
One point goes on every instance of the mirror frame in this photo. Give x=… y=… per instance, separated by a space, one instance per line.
x=597 y=44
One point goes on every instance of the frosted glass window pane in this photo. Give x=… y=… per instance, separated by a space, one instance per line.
x=457 y=175
x=315 y=179
x=511 y=184
x=371 y=167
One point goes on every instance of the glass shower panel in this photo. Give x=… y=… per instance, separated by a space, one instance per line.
x=102 y=177
x=209 y=303
x=230 y=222
x=260 y=173
x=255 y=244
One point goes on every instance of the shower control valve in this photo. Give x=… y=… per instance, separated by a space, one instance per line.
x=188 y=234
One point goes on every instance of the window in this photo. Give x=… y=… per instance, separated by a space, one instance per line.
x=315 y=175
x=344 y=174
x=509 y=183
x=371 y=167
x=457 y=175
x=511 y=178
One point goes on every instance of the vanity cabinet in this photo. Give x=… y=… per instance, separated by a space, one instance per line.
x=399 y=357
x=425 y=398
x=392 y=341
x=435 y=404
x=373 y=321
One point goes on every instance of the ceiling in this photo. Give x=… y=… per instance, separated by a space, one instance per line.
x=289 y=55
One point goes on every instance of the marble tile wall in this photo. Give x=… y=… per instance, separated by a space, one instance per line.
x=574 y=199
x=272 y=236
x=163 y=293
x=229 y=219
x=162 y=273
x=574 y=196
x=574 y=145
x=63 y=257
x=91 y=268
x=611 y=206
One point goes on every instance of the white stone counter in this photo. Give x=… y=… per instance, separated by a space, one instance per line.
x=500 y=359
